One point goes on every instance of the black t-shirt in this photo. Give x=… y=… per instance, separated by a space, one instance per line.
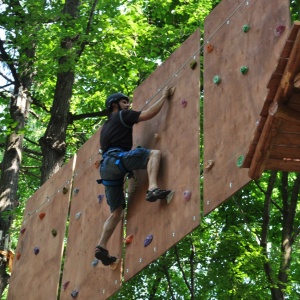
x=115 y=134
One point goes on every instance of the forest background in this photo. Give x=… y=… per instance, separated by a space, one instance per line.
x=58 y=62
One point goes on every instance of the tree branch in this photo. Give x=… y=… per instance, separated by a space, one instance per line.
x=181 y=269
x=72 y=118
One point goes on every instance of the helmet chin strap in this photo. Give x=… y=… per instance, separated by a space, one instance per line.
x=119 y=107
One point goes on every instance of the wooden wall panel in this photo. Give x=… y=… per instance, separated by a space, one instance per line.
x=175 y=131
x=36 y=276
x=232 y=107
x=91 y=282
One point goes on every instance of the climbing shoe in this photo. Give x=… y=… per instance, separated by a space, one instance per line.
x=102 y=254
x=156 y=194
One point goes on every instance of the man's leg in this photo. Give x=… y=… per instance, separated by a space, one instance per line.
x=110 y=225
x=153 y=167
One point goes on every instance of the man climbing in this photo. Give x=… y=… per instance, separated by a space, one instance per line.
x=119 y=160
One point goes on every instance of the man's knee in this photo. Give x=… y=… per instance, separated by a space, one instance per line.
x=117 y=214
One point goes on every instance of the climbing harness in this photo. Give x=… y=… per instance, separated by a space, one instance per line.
x=117 y=153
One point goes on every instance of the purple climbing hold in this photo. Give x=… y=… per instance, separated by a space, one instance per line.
x=279 y=30
x=65 y=285
x=187 y=195
x=100 y=198
x=183 y=103
x=148 y=240
x=36 y=250
x=74 y=294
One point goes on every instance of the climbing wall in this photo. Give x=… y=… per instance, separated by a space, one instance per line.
x=243 y=41
x=83 y=276
x=36 y=268
x=174 y=131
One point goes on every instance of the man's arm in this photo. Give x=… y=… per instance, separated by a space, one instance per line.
x=154 y=109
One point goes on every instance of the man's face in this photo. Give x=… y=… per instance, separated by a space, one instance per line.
x=124 y=104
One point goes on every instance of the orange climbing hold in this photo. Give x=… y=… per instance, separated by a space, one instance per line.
x=97 y=164
x=209 y=48
x=128 y=239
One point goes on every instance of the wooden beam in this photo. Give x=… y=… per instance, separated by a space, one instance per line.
x=262 y=150
x=283 y=112
x=286 y=85
x=297 y=81
x=283 y=165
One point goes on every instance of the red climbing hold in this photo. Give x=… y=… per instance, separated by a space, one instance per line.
x=42 y=215
x=18 y=255
x=23 y=230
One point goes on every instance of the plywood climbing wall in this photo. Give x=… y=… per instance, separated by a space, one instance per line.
x=174 y=131
x=82 y=274
x=37 y=264
x=243 y=41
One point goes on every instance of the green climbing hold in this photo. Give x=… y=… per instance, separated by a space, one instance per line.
x=217 y=79
x=193 y=64
x=244 y=70
x=54 y=232
x=246 y=28
x=240 y=161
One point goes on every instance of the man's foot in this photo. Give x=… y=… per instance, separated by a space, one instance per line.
x=102 y=254
x=156 y=194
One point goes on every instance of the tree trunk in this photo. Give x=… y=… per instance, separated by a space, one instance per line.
x=53 y=143
x=10 y=173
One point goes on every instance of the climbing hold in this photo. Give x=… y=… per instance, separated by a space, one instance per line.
x=209 y=48
x=246 y=28
x=100 y=198
x=244 y=70
x=279 y=30
x=78 y=215
x=187 y=195
x=97 y=164
x=74 y=293
x=148 y=240
x=183 y=103
x=54 y=232
x=114 y=265
x=42 y=215
x=65 y=285
x=156 y=137
x=217 y=79
x=240 y=161
x=18 y=255
x=209 y=164
x=36 y=250
x=128 y=239
x=65 y=190
x=23 y=230
x=171 y=90
x=193 y=64
x=170 y=196
x=95 y=262
x=76 y=191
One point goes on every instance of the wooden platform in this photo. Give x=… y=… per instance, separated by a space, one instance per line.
x=276 y=142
